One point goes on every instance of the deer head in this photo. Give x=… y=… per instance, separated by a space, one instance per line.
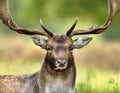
x=59 y=47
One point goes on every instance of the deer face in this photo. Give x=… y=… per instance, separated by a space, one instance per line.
x=59 y=49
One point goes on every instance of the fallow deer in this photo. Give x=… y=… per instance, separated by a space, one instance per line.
x=58 y=71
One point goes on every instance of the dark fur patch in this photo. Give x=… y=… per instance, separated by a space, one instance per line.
x=61 y=39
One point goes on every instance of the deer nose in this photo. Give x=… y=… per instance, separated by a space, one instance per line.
x=61 y=62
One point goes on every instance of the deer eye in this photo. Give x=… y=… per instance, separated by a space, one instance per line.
x=49 y=48
x=71 y=48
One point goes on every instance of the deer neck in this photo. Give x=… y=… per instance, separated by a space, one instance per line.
x=48 y=75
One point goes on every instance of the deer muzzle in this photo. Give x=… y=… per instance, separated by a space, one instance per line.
x=61 y=64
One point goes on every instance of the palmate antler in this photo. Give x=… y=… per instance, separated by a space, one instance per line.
x=7 y=19
x=113 y=9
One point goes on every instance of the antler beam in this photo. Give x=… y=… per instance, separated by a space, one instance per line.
x=113 y=9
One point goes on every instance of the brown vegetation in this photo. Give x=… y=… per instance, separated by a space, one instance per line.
x=100 y=55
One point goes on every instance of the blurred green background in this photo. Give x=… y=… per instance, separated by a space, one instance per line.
x=98 y=64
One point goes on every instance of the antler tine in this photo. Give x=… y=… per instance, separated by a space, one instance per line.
x=113 y=9
x=72 y=28
x=7 y=19
x=45 y=29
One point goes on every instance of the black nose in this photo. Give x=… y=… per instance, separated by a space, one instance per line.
x=61 y=62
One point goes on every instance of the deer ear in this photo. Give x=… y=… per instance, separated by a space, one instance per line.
x=81 y=42
x=39 y=41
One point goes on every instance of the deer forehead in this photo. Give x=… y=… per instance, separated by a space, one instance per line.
x=60 y=40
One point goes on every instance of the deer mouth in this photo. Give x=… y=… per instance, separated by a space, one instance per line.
x=60 y=65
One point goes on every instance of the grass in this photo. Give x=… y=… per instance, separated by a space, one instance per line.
x=18 y=67
x=98 y=67
x=93 y=80
x=89 y=79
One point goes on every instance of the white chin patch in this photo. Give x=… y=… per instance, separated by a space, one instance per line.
x=60 y=68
